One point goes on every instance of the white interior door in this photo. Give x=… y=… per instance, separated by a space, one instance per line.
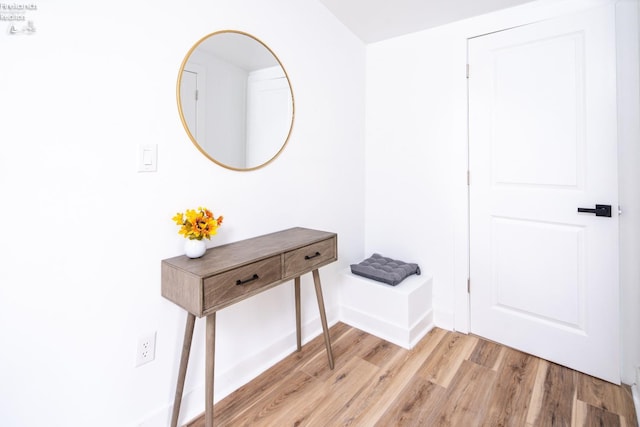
x=269 y=110
x=542 y=143
x=191 y=90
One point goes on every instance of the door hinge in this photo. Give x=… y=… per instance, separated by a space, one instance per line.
x=467 y=70
x=468 y=178
x=468 y=286
x=197 y=93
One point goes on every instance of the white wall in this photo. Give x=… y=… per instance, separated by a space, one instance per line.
x=83 y=232
x=416 y=202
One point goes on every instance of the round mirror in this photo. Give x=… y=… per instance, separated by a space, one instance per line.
x=235 y=100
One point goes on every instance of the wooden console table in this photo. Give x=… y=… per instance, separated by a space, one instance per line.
x=231 y=273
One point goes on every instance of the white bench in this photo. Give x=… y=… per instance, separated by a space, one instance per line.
x=401 y=314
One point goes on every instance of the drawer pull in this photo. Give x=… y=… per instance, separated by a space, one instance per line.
x=242 y=282
x=312 y=256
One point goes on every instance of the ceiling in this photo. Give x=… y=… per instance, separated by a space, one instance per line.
x=375 y=20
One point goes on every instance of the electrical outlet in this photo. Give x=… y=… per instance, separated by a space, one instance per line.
x=146 y=351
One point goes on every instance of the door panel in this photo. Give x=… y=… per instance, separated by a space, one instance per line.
x=536 y=120
x=552 y=294
x=542 y=142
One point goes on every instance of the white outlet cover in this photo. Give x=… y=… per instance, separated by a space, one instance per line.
x=146 y=349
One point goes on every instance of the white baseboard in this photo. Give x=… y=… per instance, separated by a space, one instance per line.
x=238 y=375
x=381 y=328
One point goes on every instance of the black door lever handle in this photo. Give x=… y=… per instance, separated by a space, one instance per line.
x=600 y=210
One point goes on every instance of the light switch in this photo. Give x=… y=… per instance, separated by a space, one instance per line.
x=147 y=158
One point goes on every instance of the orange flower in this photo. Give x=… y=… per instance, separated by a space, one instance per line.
x=197 y=223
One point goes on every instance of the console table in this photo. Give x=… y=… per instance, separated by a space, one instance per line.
x=230 y=273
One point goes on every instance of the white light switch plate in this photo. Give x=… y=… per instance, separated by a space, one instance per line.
x=147 y=158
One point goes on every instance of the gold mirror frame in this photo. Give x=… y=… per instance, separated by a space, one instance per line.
x=184 y=121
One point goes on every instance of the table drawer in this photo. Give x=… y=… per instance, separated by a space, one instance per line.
x=302 y=260
x=225 y=288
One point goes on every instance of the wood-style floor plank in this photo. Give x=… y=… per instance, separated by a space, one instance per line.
x=557 y=397
x=416 y=406
x=467 y=397
x=390 y=383
x=486 y=353
x=600 y=394
x=513 y=390
x=339 y=393
x=349 y=345
x=443 y=364
x=447 y=379
x=587 y=415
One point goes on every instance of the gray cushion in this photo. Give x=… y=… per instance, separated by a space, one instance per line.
x=384 y=269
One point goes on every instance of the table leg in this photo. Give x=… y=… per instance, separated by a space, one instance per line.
x=298 y=330
x=323 y=316
x=182 y=372
x=209 y=368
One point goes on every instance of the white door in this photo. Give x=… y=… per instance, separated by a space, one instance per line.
x=542 y=143
x=269 y=112
x=191 y=90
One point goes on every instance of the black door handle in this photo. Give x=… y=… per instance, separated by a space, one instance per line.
x=600 y=210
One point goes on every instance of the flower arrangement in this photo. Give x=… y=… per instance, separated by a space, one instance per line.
x=196 y=224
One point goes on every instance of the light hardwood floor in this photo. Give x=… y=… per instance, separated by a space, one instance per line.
x=448 y=379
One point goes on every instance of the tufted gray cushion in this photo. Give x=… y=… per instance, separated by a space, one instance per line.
x=384 y=269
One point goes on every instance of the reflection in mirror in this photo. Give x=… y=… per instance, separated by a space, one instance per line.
x=235 y=100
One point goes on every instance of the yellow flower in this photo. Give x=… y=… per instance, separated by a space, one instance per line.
x=197 y=223
x=178 y=218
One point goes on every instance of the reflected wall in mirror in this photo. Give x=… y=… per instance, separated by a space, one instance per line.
x=235 y=100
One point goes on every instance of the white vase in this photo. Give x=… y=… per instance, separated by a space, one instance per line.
x=194 y=248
